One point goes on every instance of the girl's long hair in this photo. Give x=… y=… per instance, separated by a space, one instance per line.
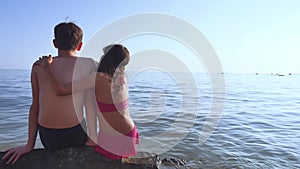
x=115 y=58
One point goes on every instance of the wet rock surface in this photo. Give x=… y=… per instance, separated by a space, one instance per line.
x=87 y=158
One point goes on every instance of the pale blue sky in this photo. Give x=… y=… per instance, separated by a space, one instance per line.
x=248 y=35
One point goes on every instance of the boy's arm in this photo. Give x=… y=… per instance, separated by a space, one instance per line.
x=17 y=152
x=91 y=113
x=34 y=109
x=91 y=116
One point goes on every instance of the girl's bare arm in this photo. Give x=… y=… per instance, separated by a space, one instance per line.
x=62 y=89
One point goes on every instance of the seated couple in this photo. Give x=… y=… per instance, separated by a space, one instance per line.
x=59 y=95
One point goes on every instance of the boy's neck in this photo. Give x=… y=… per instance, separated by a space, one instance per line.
x=67 y=53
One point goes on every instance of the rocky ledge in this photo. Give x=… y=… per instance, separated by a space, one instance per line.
x=87 y=158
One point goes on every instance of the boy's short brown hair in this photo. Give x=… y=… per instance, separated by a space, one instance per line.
x=67 y=35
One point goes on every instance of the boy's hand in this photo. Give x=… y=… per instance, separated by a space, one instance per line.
x=16 y=153
x=90 y=143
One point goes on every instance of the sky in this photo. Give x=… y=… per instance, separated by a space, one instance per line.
x=248 y=36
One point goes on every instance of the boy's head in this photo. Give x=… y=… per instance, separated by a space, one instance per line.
x=68 y=36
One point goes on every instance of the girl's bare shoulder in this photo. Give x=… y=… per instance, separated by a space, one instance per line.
x=102 y=75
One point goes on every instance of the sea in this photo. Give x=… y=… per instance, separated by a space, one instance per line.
x=209 y=120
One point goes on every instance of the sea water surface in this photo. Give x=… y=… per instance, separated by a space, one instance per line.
x=259 y=126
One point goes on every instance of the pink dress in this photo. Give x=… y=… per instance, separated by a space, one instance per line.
x=117 y=146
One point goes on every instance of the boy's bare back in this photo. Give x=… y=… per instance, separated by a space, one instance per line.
x=63 y=111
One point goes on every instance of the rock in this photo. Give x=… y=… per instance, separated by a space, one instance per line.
x=173 y=162
x=87 y=158
x=77 y=158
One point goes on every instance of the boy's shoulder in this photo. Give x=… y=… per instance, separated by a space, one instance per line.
x=88 y=61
